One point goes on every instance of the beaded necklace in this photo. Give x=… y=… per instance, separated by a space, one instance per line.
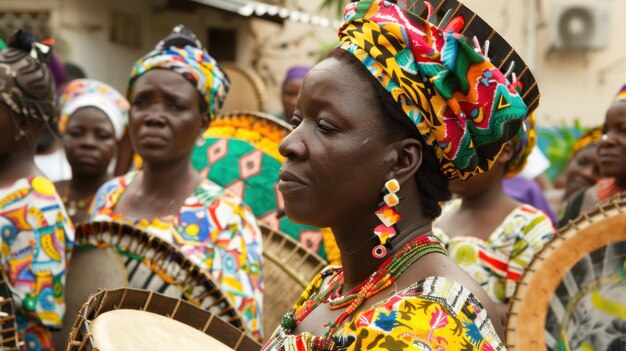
x=383 y=277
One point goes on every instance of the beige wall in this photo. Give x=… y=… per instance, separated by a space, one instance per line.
x=573 y=84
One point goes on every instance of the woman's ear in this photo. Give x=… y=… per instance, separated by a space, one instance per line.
x=205 y=120
x=405 y=157
x=507 y=153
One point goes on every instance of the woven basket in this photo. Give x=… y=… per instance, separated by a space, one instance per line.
x=287 y=270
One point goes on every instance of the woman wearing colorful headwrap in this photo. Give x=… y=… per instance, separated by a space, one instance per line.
x=37 y=234
x=492 y=236
x=175 y=91
x=92 y=122
x=291 y=89
x=611 y=151
x=381 y=125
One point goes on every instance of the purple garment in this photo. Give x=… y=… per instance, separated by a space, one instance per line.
x=297 y=72
x=527 y=191
x=59 y=74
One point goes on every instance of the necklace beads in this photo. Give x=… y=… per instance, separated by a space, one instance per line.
x=382 y=278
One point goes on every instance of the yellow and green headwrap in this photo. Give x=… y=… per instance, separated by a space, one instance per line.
x=589 y=137
x=461 y=104
x=182 y=53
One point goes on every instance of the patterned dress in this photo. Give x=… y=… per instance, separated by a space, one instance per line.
x=433 y=314
x=499 y=262
x=37 y=239
x=213 y=228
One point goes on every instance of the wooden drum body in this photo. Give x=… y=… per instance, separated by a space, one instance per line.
x=573 y=294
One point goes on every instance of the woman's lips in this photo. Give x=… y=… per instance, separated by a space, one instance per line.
x=289 y=182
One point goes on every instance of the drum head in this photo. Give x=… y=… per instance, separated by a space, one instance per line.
x=240 y=153
x=248 y=92
x=571 y=296
x=132 y=319
x=146 y=331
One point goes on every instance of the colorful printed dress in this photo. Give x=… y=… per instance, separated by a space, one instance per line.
x=433 y=314
x=498 y=263
x=37 y=239
x=213 y=228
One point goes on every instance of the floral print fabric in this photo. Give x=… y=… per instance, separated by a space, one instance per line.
x=37 y=239
x=213 y=228
x=499 y=262
x=433 y=314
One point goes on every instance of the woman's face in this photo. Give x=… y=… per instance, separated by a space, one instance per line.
x=90 y=142
x=334 y=168
x=583 y=170
x=165 y=117
x=289 y=96
x=475 y=185
x=612 y=147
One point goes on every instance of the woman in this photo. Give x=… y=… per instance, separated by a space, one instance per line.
x=375 y=114
x=611 y=152
x=37 y=234
x=291 y=89
x=93 y=119
x=175 y=91
x=492 y=236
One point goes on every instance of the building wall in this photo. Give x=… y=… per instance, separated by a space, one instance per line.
x=573 y=84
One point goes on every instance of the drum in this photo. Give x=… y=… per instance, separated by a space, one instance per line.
x=248 y=89
x=571 y=296
x=132 y=319
x=111 y=255
x=9 y=340
x=288 y=269
x=240 y=153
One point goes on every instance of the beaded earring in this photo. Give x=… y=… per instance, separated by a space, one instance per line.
x=388 y=216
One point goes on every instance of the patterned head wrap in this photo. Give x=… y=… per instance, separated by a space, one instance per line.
x=621 y=95
x=26 y=85
x=589 y=137
x=296 y=72
x=523 y=144
x=461 y=104
x=92 y=93
x=182 y=53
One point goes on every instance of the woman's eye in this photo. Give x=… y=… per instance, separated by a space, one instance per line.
x=104 y=135
x=139 y=102
x=325 y=127
x=75 y=133
x=295 y=121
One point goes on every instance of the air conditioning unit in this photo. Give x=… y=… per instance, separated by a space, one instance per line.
x=580 y=25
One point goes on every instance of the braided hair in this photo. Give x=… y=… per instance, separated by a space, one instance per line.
x=29 y=89
x=431 y=182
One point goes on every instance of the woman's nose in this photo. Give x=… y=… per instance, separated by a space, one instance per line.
x=293 y=145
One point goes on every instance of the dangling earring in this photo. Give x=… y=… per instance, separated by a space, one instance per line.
x=388 y=216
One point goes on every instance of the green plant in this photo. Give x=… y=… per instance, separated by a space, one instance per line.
x=556 y=143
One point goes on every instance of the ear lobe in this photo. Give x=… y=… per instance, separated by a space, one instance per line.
x=409 y=159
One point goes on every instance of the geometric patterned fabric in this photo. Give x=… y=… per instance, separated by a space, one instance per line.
x=240 y=153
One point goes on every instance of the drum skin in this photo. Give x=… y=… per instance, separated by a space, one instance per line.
x=571 y=296
x=133 y=319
